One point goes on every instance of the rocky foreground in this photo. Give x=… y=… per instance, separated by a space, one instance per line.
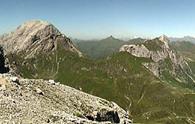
x=45 y=101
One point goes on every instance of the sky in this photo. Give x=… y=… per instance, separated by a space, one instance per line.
x=94 y=19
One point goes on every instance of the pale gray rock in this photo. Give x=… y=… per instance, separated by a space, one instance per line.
x=34 y=37
x=153 y=67
x=165 y=39
x=59 y=104
x=158 y=56
x=140 y=50
x=136 y=50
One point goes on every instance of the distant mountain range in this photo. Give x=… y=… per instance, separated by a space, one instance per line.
x=102 y=48
x=185 y=38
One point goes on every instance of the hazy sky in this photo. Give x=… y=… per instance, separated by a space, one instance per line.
x=88 y=19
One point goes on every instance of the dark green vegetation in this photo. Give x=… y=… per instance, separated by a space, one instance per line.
x=103 y=48
x=120 y=78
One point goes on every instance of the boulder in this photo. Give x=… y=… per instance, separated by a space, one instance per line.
x=105 y=115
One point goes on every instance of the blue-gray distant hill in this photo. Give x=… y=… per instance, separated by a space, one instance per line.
x=101 y=48
x=185 y=38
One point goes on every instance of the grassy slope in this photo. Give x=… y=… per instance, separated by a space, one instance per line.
x=153 y=45
x=120 y=78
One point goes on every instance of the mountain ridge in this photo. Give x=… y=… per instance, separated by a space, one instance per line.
x=159 y=51
x=34 y=37
x=185 y=38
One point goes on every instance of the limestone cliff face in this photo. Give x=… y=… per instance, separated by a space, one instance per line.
x=160 y=53
x=136 y=50
x=28 y=101
x=35 y=37
x=145 y=50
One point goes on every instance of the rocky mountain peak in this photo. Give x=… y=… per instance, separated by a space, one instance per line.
x=34 y=23
x=34 y=37
x=165 y=40
x=33 y=27
x=110 y=38
x=159 y=52
x=157 y=49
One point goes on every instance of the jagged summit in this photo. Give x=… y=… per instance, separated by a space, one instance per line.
x=36 y=22
x=165 y=40
x=161 y=42
x=159 y=52
x=110 y=37
x=157 y=49
x=33 y=26
x=36 y=36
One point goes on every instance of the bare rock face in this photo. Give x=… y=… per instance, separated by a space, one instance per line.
x=28 y=101
x=142 y=50
x=165 y=39
x=158 y=51
x=35 y=37
x=136 y=50
x=153 y=67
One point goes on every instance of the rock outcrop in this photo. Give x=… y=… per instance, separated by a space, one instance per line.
x=156 y=49
x=136 y=50
x=160 y=53
x=35 y=37
x=165 y=39
x=28 y=101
